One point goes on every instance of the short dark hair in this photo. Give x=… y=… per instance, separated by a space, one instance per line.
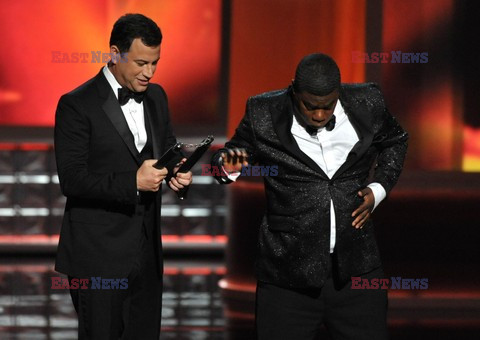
x=317 y=74
x=132 y=26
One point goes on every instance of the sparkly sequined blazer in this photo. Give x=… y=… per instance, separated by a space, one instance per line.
x=293 y=247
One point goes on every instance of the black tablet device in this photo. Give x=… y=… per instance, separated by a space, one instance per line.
x=193 y=159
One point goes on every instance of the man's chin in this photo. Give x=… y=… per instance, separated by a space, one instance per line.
x=140 y=88
x=317 y=125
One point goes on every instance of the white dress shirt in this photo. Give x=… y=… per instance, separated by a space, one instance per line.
x=329 y=149
x=132 y=111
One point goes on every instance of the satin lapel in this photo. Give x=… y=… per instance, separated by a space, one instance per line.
x=150 y=114
x=115 y=114
x=361 y=121
x=282 y=117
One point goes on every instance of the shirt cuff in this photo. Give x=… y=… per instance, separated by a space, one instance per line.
x=233 y=176
x=379 y=193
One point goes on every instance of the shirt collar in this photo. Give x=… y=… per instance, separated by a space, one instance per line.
x=111 y=80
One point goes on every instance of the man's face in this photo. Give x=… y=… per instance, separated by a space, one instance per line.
x=136 y=68
x=316 y=111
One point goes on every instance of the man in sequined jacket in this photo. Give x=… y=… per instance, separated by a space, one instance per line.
x=339 y=152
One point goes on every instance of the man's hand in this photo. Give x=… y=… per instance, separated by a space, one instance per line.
x=180 y=180
x=150 y=178
x=234 y=159
x=363 y=212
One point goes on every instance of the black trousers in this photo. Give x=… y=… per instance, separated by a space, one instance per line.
x=283 y=313
x=132 y=313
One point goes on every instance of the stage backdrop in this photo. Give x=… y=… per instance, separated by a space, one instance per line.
x=52 y=46
x=436 y=99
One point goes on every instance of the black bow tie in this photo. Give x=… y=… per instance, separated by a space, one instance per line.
x=312 y=131
x=330 y=124
x=124 y=95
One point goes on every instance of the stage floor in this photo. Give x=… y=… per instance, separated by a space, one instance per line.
x=193 y=308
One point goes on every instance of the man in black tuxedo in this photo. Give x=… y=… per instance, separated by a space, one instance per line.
x=339 y=152
x=109 y=133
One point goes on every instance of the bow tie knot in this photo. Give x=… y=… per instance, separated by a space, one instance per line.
x=311 y=130
x=124 y=95
x=330 y=124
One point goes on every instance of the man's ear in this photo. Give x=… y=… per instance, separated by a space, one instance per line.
x=115 y=54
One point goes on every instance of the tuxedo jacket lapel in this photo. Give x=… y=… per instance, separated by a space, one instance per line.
x=282 y=118
x=112 y=109
x=152 y=118
x=358 y=115
x=115 y=114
